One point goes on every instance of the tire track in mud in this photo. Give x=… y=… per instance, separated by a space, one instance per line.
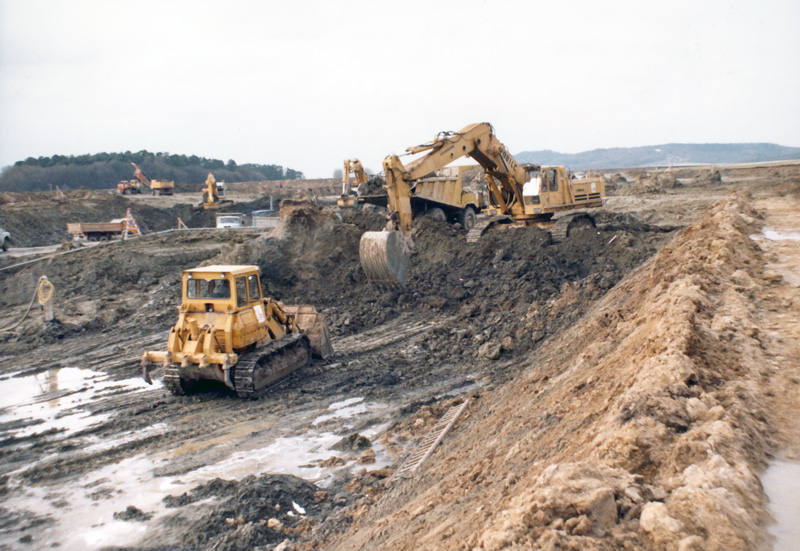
x=185 y=421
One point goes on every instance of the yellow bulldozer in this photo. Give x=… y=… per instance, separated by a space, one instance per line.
x=227 y=331
x=527 y=194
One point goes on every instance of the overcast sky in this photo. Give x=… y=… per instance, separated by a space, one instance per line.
x=306 y=84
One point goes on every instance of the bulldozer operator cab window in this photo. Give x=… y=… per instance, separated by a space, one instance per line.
x=241 y=291
x=255 y=288
x=213 y=288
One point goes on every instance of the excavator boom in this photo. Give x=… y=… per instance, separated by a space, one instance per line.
x=552 y=191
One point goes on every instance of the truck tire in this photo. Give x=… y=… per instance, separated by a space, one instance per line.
x=437 y=214
x=468 y=218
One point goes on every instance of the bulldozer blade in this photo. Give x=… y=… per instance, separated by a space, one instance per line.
x=384 y=257
x=312 y=323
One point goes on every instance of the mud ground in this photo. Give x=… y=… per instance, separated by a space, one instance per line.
x=621 y=381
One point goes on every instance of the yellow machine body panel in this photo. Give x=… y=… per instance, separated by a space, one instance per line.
x=224 y=316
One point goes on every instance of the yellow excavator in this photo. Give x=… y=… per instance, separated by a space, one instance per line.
x=227 y=331
x=529 y=194
x=354 y=167
x=213 y=194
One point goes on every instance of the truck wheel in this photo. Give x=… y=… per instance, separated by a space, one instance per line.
x=468 y=218
x=437 y=214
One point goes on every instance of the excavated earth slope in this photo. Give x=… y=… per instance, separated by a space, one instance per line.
x=643 y=426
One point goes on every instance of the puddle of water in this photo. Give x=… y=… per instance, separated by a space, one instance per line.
x=83 y=509
x=774 y=235
x=53 y=399
x=344 y=409
x=781 y=483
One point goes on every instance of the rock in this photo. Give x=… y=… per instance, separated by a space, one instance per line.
x=692 y=543
x=742 y=279
x=275 y=524
x=601 y=508
x=285 y=545
x=578 y=526
x=696 y=409
x=633 y=493
x=353 y=443
x=507 y=343
x=655 y=518
x=716 y=413
x=489 y=351
x=367 y=458
x=133 y=513
x=333 y=461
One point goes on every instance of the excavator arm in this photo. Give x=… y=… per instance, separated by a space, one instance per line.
x=504 y=175
x=385 y=255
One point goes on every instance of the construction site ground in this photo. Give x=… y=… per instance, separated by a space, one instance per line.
x=629 y=388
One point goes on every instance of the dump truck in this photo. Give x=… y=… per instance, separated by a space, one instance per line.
x=119 y=228
x=142 y=182
x=528 y=194
x=228 y=331
x=231 y=220
x=445 y=194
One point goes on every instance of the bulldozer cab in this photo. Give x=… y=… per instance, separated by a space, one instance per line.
x=221 y=288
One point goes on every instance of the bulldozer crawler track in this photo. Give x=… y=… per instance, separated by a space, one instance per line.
x=172 y=380
x=267 y=365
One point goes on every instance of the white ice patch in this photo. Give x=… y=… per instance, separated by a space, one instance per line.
x=298 y=508
x=774 y=235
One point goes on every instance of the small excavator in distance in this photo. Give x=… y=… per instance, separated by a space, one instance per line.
x=213 y=194
x=529 y=194
x=354 y=166
x=227 y=331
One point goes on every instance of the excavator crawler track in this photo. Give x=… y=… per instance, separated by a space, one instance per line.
x=560 y=230
x=263 y=367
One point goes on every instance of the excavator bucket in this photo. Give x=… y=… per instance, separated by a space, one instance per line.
x=312 y=323
x=384 y=257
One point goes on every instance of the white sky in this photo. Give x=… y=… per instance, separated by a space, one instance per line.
x=306 y=84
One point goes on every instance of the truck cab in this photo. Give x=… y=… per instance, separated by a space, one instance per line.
x=230 y=220
x=5 y=239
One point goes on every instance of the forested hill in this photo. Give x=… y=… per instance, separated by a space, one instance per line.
x=663 y=155
x=104 y=170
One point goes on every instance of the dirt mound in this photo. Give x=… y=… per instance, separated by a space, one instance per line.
x=710 y=176
x=245 y=514
x=642 y=427
x=645 y=183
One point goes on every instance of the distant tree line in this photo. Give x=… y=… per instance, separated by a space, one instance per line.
x=104 y=170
